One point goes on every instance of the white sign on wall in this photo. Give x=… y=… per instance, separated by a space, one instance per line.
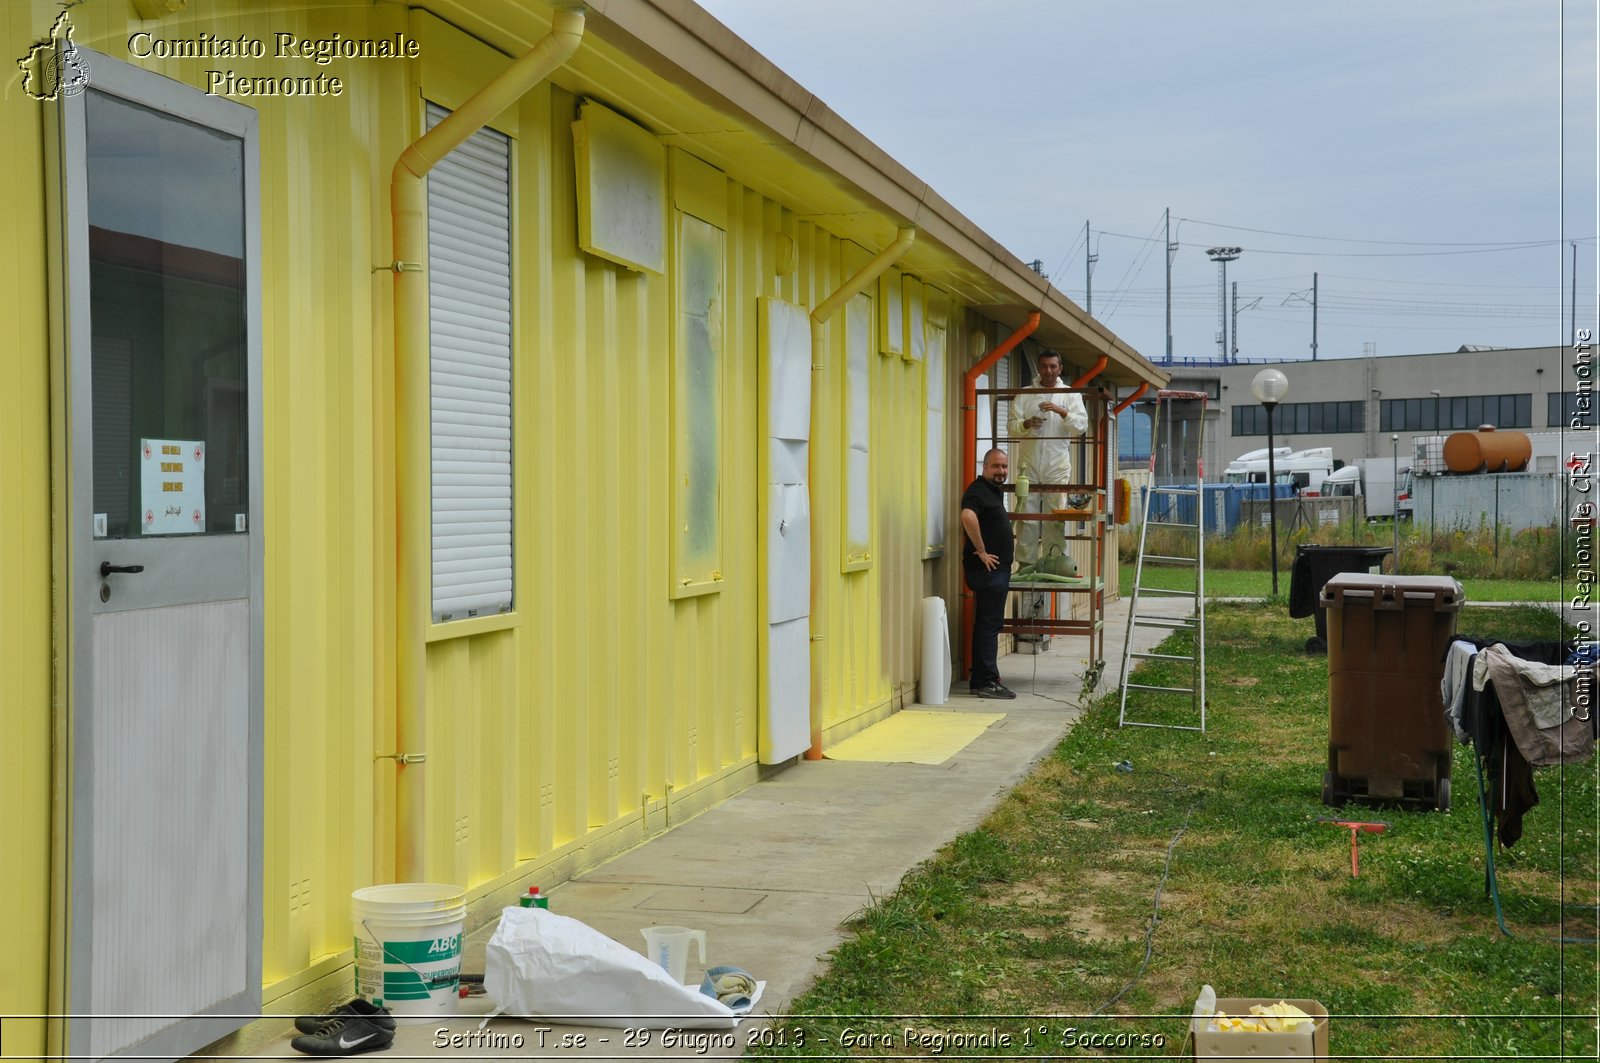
x=172 y=486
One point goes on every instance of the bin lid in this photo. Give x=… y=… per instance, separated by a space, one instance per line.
x=1357 y=552
x=1379 y=591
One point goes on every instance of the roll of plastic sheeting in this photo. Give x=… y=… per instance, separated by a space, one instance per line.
x=934 y=688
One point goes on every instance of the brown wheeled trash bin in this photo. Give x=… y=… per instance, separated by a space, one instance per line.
x=1388 y=739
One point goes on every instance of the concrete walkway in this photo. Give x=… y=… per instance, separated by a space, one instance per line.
x=772 y=873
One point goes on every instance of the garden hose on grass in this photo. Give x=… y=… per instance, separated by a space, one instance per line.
x=1491 y=878
x=1155 y=912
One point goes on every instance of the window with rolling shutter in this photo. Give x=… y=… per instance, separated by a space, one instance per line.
x=1002 y=412
x=469 y=362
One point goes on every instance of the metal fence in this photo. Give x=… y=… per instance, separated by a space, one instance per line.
x=1512 y=501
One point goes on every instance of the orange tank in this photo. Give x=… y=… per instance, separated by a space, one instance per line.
x=1487 y=450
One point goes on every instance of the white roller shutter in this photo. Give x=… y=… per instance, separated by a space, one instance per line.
x=1002 y=429
x=469 y=357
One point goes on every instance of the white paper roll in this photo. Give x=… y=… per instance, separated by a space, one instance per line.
x=934 y=686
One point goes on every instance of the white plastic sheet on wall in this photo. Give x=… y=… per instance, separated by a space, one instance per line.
x=785 y=722
x=934 y=685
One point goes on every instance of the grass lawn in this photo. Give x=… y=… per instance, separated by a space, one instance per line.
x=1238 y=583
x=1021 y=932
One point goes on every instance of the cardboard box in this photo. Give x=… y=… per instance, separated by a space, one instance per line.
x=1226 y=1047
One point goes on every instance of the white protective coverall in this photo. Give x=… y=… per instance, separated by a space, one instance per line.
x=1044 y=455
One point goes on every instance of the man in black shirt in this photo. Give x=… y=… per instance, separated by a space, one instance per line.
x=986 y=561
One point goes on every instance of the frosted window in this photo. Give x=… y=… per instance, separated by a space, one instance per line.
x=697 y=408
x=858 y=433
x=933 y=441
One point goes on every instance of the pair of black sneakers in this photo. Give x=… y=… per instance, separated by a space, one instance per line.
x=994 y=691
x=352 y=1027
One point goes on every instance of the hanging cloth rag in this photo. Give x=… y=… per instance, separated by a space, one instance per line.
x=1537 y=700
x=1453 y=686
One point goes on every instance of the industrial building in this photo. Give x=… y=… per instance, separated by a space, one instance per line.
x=1359 y=406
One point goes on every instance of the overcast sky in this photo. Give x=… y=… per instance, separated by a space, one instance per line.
x=1394 y=148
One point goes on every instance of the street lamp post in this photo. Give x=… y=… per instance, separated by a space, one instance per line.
x=1394 y=442
x=1269 y=387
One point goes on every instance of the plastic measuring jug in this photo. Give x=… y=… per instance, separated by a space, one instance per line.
x=669 y=946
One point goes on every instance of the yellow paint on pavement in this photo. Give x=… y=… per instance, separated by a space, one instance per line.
x=916 y=737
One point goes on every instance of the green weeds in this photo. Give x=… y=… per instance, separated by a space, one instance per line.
x=1539 y=556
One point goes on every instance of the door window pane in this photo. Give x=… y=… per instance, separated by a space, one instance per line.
x=167 y=319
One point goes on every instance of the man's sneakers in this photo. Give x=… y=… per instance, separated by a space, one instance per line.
x=358 y=1026
x=994 y=690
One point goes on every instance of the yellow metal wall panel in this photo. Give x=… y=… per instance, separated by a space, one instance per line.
x=854 y=680
x=819 y=265
x=472 y=768
x=327 y=535
x=25 y=546
x=604 y=697
x=748 y=280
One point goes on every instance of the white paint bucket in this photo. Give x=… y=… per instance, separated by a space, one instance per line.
x=408 y=947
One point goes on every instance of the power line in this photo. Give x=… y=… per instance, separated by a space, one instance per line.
x=1359 y=301
x=1135 y=268
x=1356 y=240
x=1364 y=322
x=1071 y=252
x=1404 y=254
x=1442 y=284
x=1474 y=249
x=1469 y=248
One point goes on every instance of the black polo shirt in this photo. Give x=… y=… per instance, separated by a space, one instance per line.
x=989 y=502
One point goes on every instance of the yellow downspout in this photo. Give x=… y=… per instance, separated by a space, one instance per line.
x=819 y=361
x=408 y=205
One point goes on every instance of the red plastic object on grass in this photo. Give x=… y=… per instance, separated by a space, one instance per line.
x=1355 y=827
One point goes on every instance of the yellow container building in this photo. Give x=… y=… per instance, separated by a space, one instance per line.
x=448 y=442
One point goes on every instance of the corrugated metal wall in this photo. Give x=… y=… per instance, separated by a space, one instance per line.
x=26 y=549
x=1512 y=501
x=563 y=734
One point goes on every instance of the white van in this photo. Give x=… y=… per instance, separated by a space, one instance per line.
x=1305 y=468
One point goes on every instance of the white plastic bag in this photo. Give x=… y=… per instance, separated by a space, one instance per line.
x=540 y=965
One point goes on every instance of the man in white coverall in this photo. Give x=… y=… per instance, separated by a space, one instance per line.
x=1045 y=426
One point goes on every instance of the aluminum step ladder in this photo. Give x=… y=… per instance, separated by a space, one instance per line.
x=1177 y=469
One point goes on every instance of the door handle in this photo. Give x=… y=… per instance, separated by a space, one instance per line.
x=106 y=568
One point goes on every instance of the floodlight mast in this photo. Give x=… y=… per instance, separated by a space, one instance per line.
x=1222 y=256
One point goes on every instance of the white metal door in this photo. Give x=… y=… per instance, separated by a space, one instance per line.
x=163 y=431
x=785 y=719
